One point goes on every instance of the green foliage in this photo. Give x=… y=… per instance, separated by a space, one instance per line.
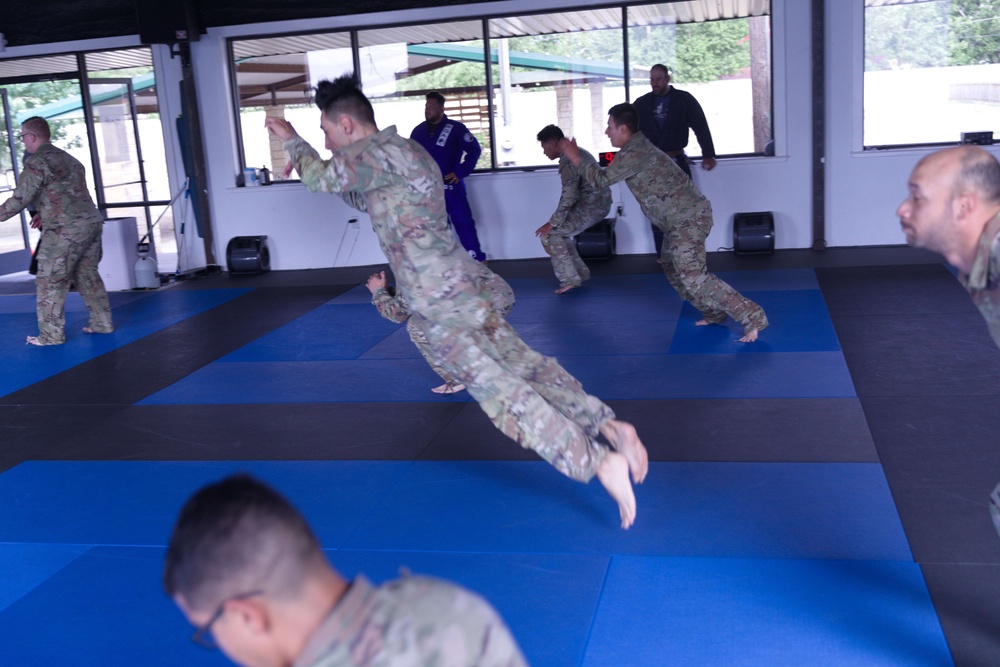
x=975 y=32
x=694 y=52
x=932 y=34
x=26 y=96
x=456 y=75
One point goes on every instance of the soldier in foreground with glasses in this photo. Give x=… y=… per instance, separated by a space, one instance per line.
x=247 y=571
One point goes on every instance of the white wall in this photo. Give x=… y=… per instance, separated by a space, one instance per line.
x=863 y=188
x=309 y=230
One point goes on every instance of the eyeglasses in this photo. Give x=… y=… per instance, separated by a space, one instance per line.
x=25 y=134
x=203 y=635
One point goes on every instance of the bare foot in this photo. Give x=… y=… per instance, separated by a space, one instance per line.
x=34 y=340
x=449 y=388
x=750 y=336
x=613 y=474
x=564 y=289
x=625 y=440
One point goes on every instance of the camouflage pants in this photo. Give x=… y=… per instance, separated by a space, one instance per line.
x=526 y=395
x=419 y=339
x=69 y=256
x=683 y=258
x=570 y=270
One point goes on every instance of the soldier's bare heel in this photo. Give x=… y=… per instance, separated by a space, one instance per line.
x=449 y=388
x=36 y=340
x=625 y=440
x=613 y=475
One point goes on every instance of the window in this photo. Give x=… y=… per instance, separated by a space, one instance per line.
x=276 y=76
x=724 y=62
x=564 y=69
x=27 y=87
x=123 y=111
x=399 y=66
x=932 y=71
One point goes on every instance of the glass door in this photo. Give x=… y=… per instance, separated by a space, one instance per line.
x=121 y=181
x=14 y=232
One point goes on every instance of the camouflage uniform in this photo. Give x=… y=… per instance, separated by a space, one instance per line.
x=393 y=308
x=529 y=397
x=54 y=183
x=580 y=206
x=983 y=285
x=672 y=202
x=411 y=622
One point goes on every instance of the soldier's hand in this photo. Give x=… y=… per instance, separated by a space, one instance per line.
x=287 y=172
x=376 y=281
x=544 y=230
x=280 y=128
x=570 y=150
x=36 y=221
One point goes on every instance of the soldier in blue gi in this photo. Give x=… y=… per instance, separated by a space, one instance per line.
x=580 y=206
x=456 y=152
x=953 y=208
x=528 y=396
x=54 y=183
x=247 y=571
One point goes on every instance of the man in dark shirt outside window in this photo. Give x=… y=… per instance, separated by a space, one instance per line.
x=665 y=116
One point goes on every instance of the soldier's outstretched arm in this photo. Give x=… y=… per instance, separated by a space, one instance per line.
x=28 y=186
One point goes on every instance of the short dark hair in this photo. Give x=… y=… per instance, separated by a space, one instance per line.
x=624 y=114
x=238 y=536
x=343 y=96
x=661 y=67
x=551 y=133
x=37 y=126
x=436 y=96
x=980 y=171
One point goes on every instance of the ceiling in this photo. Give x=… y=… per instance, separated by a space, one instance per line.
x=48 y=21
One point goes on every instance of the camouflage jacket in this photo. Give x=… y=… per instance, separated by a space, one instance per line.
x=983 y=281
x=578 y=194
x=393 y=306
x=403 y=193
x=54 y=183
x=411 y=622
x=665 y=193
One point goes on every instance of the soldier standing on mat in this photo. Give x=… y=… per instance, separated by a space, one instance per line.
x=528 y=396
x=54 y=183
x=671 y=201
x=581 y=205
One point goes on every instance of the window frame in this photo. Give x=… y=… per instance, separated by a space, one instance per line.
x=485 y=19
